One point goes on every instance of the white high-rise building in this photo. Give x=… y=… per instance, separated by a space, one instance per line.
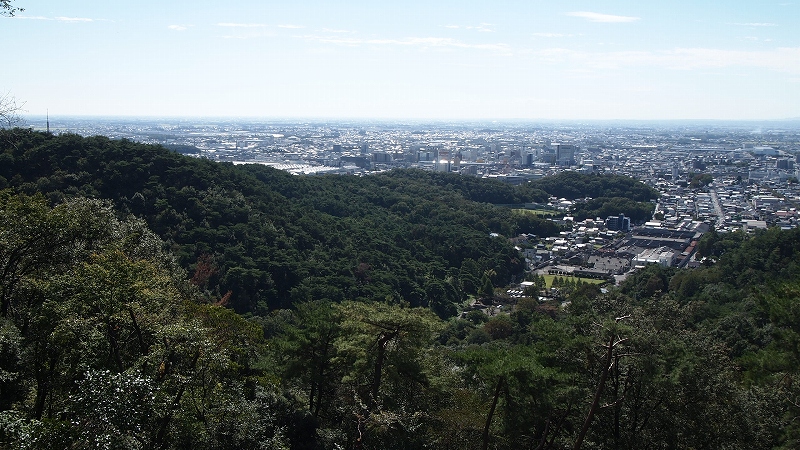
x=443 y=162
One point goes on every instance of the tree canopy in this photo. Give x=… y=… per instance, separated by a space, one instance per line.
x=117 y=260
x=272 y=239
x=574 y=185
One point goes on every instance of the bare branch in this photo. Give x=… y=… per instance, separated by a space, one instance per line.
x=10 y=109
x=7 y=10
x=614 y=404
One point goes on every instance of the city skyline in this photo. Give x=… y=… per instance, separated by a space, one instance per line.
x=575 y=60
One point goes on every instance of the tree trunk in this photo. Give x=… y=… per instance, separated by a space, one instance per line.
x=598 y=393
x=383 y=340
x=489 y=416
x=143 y=347
x=43 y=387
x=160 y=441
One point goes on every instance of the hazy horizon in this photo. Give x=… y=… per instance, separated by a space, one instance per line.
x=519 y=61
x=399 y=120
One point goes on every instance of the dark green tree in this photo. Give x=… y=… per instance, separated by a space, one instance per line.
x=487 y=288
x=383 y=351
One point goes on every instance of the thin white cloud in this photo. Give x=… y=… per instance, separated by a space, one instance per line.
x=59 y=19
x=757 y=39
x=410 y=42
x=293 y=27
x=446 y=42
x=332 y=30
x=483 y=27
x=249 y=35
x=74 y=19
x=779 y=60
x=605 y=18
x=756 y=24
x=552 y=35
x=241 y=25
x=179 y=27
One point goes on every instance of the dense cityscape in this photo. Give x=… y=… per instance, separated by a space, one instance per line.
x=729 y=176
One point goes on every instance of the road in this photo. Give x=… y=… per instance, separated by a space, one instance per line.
x=717 y=208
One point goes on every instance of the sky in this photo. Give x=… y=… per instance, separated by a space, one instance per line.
x=409 y=59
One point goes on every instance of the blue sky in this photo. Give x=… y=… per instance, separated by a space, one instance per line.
x=445 y=60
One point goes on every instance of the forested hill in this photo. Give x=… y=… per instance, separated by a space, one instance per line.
x=572 y=185
x=105 y=344
x=273 y=239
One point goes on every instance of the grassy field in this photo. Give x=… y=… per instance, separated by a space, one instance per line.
x=537 y=212
x=549 y=280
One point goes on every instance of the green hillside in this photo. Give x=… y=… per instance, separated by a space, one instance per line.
x=274 y=239
x=117 y=261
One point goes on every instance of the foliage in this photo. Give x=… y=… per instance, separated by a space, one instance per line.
x=713 y=244
x=613 y=206
x=102 y=346
x=106 y=341
x=574 y=185
x=700 y=180
x=275 y=239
